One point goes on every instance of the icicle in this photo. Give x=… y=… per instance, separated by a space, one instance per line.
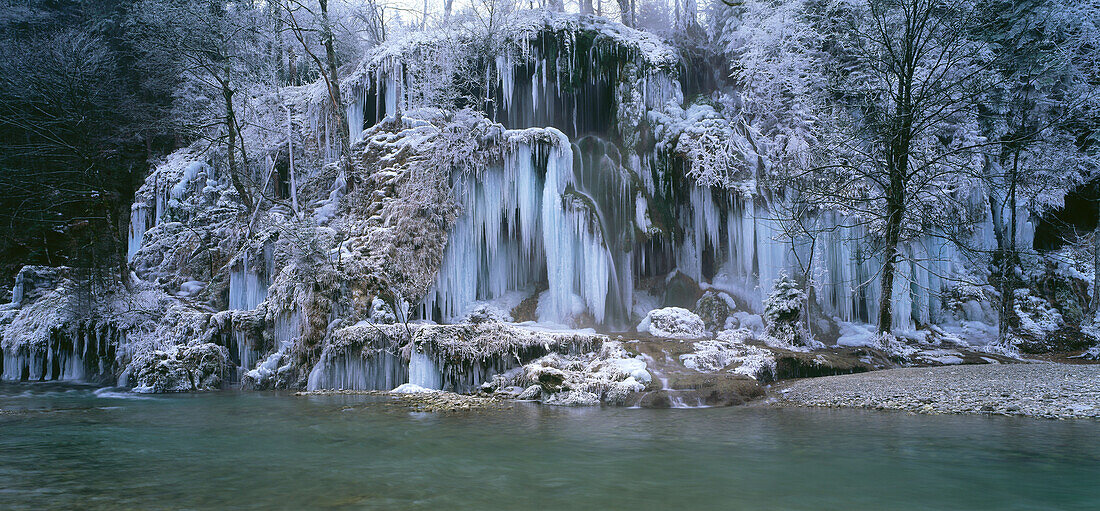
x=507 y=79
x=356 y=369
x=355 y=120
x=139 y=217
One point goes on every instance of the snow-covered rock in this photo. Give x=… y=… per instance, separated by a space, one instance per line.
x=673 y=323
x=730 y=349
x=573 y=398
x=410 y=388
x=611 y=376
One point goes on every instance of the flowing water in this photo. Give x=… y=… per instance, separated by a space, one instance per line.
x=74 y=447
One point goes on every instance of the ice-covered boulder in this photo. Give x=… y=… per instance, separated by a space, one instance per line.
x=714 y=308
x=486 y=313
x=381 y=312
x=673 y=323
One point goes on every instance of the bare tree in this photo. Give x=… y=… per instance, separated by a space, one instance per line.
x=329 y=68
x=213 y=44
x=905 y=137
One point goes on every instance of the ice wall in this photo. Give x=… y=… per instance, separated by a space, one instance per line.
x=425 y=372
x=600 y=187
x=84 y=353
x=538 y=218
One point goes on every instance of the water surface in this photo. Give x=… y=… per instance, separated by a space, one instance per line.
x=74 y=447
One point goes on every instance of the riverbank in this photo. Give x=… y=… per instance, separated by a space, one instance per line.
x=1046 y=390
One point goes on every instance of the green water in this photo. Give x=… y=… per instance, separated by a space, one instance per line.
x=65 y=447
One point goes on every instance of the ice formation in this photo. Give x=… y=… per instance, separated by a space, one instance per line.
x=573 y=182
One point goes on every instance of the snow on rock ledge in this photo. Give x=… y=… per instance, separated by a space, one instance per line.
x=673 y=323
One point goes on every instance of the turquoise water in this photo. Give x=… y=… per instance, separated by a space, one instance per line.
x=69 y=447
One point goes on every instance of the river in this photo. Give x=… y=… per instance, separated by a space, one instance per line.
x=78 y=447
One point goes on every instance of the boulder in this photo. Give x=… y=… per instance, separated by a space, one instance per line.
x=673 y=323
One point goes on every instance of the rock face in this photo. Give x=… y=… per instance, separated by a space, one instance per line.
x=180 y=368
x=586 y=197
x=673 y=323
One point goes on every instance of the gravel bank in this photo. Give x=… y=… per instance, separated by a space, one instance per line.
x=1048 y=390
x=424 y=401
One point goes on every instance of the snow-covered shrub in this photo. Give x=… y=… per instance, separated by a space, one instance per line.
x=673 y=323
x=1036 y=320
x=1092 y=353
x=180 y=368
x=897 y=349
x=1065 y=287
x=783 y=310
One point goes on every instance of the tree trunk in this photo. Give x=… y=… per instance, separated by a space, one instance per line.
x=231 y=132
x=586 y=6
x=290 y=158
x=121 y=241
x=1096 y=271
x=626 y=8
x=898 y=165
x=334 y=90
x=1002 y=255
x=1009 y=257
x=889 y=268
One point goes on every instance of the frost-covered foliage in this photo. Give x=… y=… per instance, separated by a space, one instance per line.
x=772 y=48
x=458 y=358
x=895 y=348
x=396 y=224
x=673 y=323
x=180 y=368
x=1036 y=319
x=717 y=152
x=610 y=376
x=1092 y=353
x=75 y=325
